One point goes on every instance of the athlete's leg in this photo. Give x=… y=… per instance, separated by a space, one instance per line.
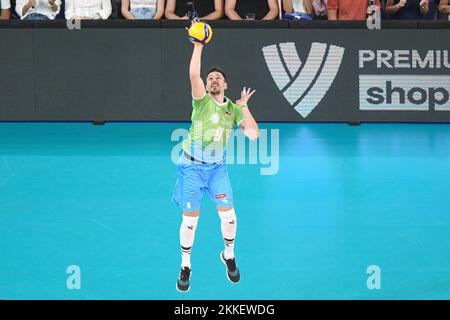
x=219 y=190
x=187 y=235
x=228 y=227
x=187 y=195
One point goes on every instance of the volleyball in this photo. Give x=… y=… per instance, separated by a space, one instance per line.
x=200 y=33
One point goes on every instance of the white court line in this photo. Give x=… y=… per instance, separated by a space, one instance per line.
x=105 y=226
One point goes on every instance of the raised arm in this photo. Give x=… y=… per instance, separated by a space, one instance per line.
x=197 y=85
x=249 y=125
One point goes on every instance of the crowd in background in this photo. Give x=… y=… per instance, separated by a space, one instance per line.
x=223 y=9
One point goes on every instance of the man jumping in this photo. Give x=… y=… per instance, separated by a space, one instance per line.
x=202 y=166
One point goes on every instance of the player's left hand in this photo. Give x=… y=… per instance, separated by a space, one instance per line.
x=246 y=94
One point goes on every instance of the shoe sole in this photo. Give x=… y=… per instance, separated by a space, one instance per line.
x=184 y=291
x=226 y=269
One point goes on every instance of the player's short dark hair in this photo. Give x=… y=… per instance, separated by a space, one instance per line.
x=217 y=69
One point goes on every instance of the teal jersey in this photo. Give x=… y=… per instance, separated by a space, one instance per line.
x=212 y=125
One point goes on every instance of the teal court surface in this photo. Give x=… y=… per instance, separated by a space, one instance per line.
x=344 y=198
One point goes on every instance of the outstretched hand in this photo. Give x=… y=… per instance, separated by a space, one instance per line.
x=246 y=94
x=193 y=21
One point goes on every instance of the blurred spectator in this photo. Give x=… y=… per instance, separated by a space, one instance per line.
x=411 y=9
x=444 y=9
x=206 y=9
x=116 y=10
x=384 y=15
x=297 y=9
x=320 y=9
x=348 y=9
x=433 y=14
x=88 y=9
x=5 y=5
x=142 y=9
x=38 y=9
x=251 y=9
x=60 y=15
x=300 y=6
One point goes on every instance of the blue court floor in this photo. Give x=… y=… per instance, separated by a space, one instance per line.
x=344 y=198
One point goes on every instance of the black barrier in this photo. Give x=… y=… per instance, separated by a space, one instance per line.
x=303 y=71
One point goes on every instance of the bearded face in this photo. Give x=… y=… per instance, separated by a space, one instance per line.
x=215 y=83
